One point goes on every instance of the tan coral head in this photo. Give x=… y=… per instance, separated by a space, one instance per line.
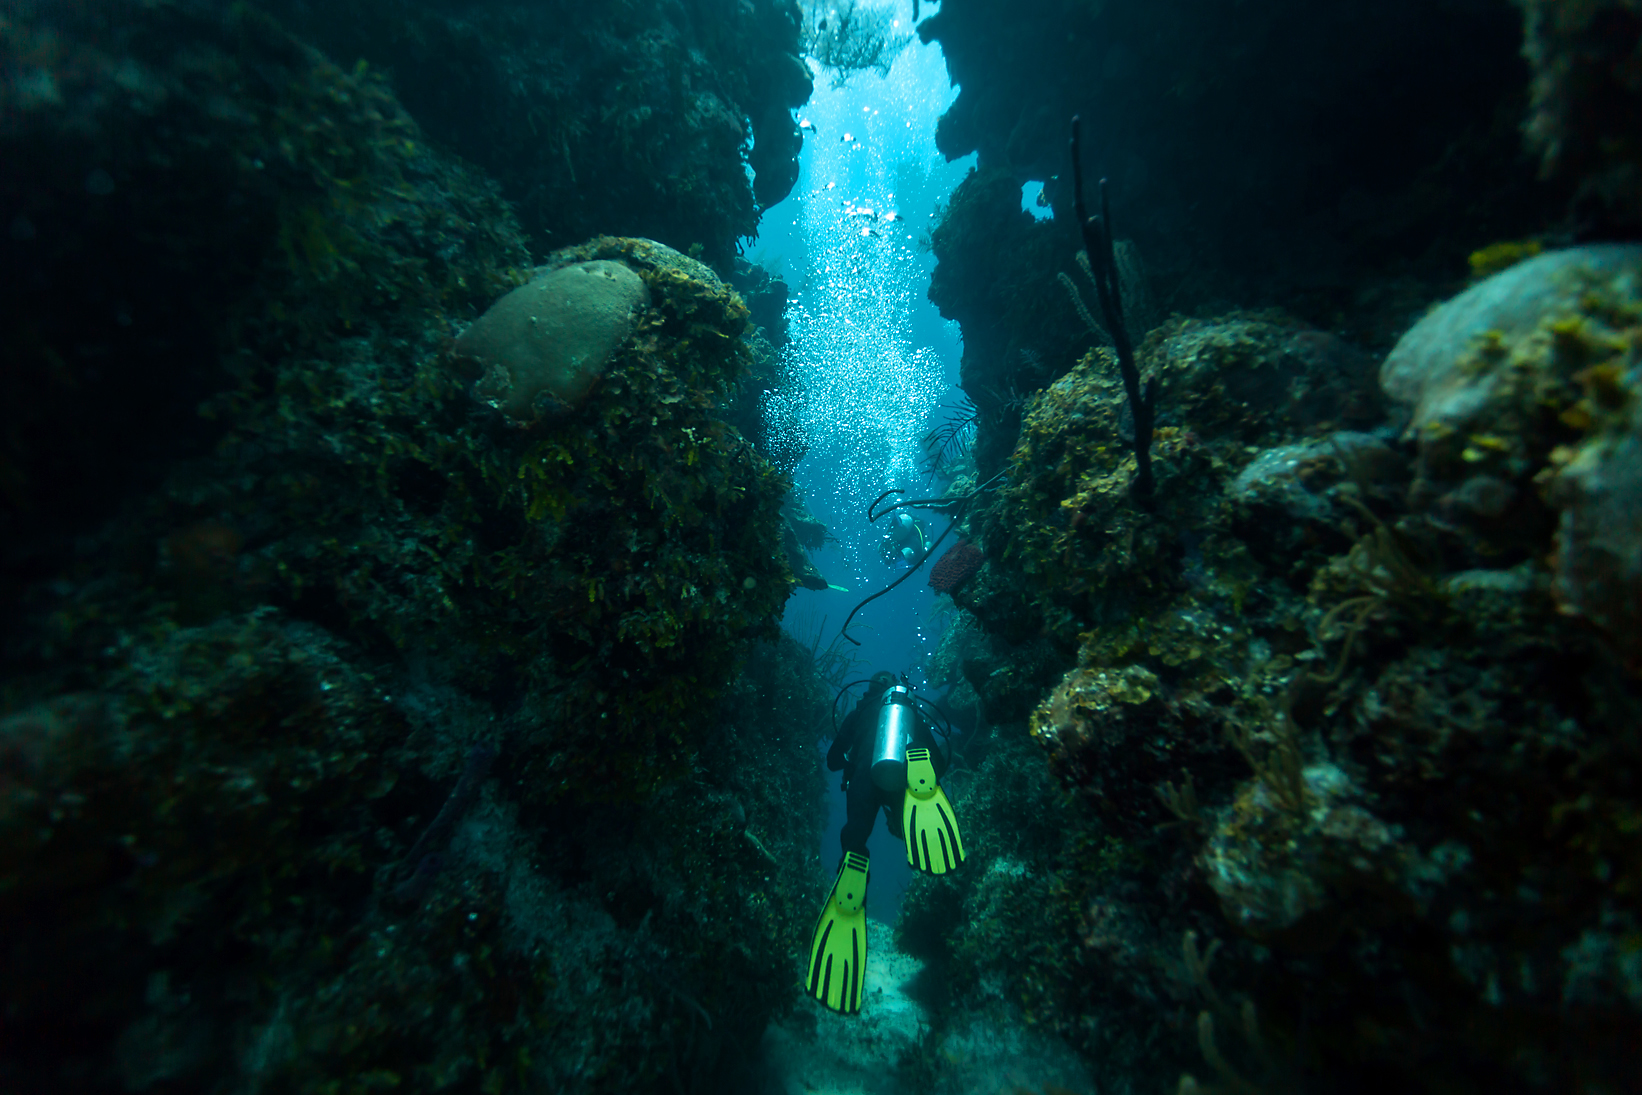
x=542 y=347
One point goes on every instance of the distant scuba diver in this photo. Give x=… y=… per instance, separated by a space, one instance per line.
x=891 y=762
x=905 y=541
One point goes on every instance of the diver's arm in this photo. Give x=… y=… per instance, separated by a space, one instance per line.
x=835 y=755
x=838 y=753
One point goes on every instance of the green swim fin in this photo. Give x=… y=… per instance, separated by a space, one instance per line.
x=927 y=820
x=838 y=949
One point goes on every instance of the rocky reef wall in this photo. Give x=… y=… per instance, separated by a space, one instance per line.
x=622 y=118
x=1342 y=715
x=1340 y=161
x=354 y=735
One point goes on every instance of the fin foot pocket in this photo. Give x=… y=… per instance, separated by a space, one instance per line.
x=927 y=819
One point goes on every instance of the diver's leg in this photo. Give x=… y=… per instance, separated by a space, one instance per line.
x=891 y=803
x=838 y=946
x=861 y=804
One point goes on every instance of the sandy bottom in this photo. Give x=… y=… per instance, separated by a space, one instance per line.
x=816 y=1052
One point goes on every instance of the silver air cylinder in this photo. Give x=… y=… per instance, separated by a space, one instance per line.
x=896 y=718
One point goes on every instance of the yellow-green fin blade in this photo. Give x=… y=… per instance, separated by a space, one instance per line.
x=838 y=949
x=927 y=818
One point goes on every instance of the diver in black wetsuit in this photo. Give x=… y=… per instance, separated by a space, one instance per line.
x=852 y=752
x=890 y=760
x=906 y=541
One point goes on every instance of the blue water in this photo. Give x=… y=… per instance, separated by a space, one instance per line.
x=876 y=364
x=1031 y=193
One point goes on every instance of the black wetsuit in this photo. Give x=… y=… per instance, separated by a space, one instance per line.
x=852 y=750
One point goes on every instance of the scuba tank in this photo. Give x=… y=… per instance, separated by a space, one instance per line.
x=897 y=717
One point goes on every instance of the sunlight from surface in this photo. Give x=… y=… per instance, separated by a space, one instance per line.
x=871 y=179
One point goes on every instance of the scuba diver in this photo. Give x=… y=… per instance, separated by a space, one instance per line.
x=891 y=762
x=905 y=541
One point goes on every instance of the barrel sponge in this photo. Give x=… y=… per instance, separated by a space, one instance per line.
x=542 y=347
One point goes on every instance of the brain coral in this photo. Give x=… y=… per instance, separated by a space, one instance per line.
x=542 y=346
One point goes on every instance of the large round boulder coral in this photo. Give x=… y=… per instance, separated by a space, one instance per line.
x=1523 y=392
x=542 y=347
x=1449 y=369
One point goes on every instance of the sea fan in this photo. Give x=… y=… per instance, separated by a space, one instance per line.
x=949 y=442
x=833 y=662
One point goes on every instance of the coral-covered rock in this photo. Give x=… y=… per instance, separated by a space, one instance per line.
x=242 y=758
x=1223 y=386
x=1597 y=487
x=1286 y=869
x=1599 y=543
x=1259 y=376
x=1286 y=476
